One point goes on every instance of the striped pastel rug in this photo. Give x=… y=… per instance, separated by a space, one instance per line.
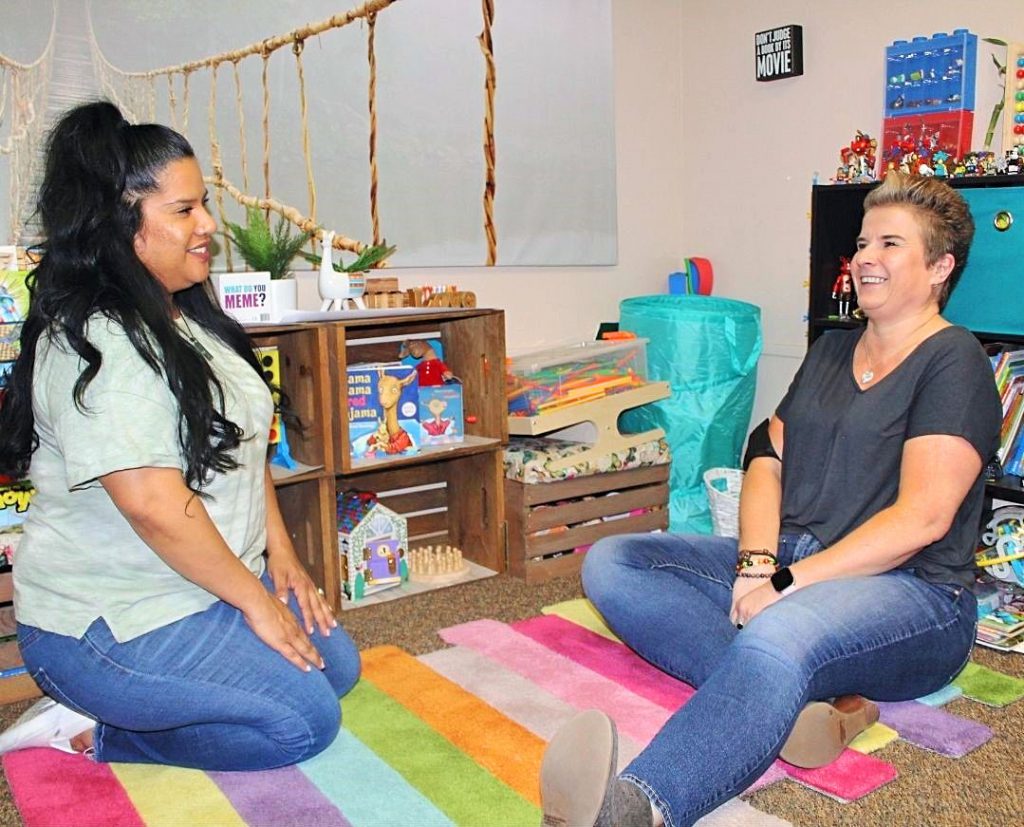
x=452 y=737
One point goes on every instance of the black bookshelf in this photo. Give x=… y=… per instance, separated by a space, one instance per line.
x=836 y=213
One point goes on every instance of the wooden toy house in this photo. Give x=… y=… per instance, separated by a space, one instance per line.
x=373 y=542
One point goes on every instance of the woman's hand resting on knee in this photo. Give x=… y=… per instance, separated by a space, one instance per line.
x=289 y=575
x=273 y=623
x=749 y=596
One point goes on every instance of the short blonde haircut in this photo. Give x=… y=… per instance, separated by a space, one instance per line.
x=943 y=215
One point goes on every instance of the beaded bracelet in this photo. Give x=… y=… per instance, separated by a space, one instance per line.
x=758 y=575
x=757 y=552
x=746 y=559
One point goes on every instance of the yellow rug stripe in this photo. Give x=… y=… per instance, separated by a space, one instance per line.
x=172 y=796
x=874 y=738
x=582 y=612
x=507 y=750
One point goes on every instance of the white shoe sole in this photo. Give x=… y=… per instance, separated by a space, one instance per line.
x=45 y=724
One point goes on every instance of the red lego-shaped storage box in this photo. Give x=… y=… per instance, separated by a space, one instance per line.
x=925 y=135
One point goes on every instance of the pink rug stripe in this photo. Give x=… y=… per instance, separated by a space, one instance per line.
x=50 y=787
x=634 y=716
x=613 y=660
x=620 y=664
x=851 y=776
x=513 y=695
x=542 y=713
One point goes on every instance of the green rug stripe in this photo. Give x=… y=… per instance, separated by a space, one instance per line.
x=457 y=785
x=988 y=686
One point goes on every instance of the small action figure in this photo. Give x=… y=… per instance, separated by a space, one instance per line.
x=424 y=356
x=842 y=288
x=859 y=158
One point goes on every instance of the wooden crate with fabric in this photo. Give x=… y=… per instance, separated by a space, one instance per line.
x=554 y=516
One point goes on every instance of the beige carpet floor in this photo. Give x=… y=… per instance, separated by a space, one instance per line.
x=983 y=789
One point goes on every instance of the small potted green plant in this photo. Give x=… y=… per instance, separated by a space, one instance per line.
x=267 y=250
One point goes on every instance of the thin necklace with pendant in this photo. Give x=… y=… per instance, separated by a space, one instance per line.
x=196 y=344
x=869 y=373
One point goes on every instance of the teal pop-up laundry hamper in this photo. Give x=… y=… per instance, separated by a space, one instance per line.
x=706 y=348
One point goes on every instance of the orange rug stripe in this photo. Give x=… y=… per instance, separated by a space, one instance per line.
x=506 y=749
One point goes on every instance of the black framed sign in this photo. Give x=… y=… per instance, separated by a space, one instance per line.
x=779 y=53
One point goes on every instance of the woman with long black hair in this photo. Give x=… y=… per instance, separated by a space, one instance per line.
x=161 y=605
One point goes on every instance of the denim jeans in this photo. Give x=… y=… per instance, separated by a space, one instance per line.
x=202 y=692
x=888 y=637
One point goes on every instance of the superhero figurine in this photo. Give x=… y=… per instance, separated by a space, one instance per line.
x=842 y=288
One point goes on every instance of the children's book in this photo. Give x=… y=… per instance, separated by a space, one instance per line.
x=1000 y=614
x=13 y=296
x=15 y=499
x=383 y=410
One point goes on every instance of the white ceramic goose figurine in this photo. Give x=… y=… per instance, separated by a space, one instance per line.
x=335 y=286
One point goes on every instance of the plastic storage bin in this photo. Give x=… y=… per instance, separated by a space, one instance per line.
x=931 y=74
x=554 y=378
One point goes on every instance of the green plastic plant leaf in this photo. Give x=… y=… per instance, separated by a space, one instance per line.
x=369 y=258
x=264 y=249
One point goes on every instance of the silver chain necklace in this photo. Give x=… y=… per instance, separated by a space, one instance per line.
x=868 y=374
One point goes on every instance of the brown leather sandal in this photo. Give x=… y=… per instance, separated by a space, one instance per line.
x=823 y=730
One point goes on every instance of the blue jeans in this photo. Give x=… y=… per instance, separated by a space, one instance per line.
x=202 y=692
x=889 y=637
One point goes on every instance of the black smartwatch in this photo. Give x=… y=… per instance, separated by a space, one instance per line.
x=782 y=581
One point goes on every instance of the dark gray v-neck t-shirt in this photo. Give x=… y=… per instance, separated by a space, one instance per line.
x=843 y=447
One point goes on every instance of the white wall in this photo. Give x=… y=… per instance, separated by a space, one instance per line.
x=750 y=150
x=556 y=305
x=713 y=163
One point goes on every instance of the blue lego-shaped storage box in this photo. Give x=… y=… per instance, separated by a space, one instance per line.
x=383 y=410
x=931 y=74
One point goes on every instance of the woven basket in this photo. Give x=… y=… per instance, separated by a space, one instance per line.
x=723 y=487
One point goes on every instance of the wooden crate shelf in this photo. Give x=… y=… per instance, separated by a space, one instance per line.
x=565 y=509
x=462 y=491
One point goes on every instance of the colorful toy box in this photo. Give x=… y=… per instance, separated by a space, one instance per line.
x=269 y=358
x=440 y=413
x=925 y=135
x=550 y=379
x=383 y=410
x=373 y=543
x=931 y=74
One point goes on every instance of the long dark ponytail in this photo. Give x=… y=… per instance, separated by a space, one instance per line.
x=98 y=169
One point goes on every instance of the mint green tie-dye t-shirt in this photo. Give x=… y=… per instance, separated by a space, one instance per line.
x=80 y=559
